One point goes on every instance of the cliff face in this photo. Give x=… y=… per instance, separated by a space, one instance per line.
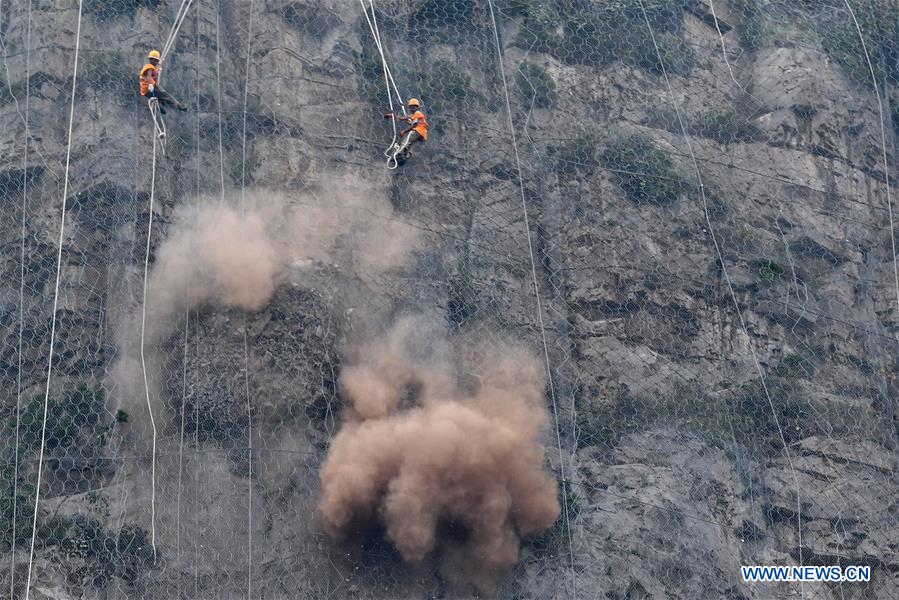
x=704 y=216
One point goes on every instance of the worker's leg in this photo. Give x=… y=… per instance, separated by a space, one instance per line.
x=407 y=141
x=413 y=138
x=166 y=99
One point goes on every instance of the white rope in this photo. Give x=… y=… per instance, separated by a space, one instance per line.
x=15 y=478
x=883 y=141
x=158 y=122
x=527 y=228
x=246 y=352
x=181 y=437
x=62 y=225
x=176 y=27
x=730 y=286
x=158 y=140
x=218 y=100
x=196 y=462
x=393 y=149
x=143 y=362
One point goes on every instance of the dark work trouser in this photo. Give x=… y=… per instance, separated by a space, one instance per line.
x=165 y=99
x=411 y=138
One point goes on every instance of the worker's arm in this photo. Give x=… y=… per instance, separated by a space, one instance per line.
x=391 y=115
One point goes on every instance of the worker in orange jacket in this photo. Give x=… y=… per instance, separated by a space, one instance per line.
x=416 y=133
x=149 y=75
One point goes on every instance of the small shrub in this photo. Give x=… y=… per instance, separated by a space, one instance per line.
x=555 y=539
x=70 y=420
x=597 y=34
x=16 y=499
x=576 y=155
x=444 y=87
x=879 y=23
x=755 y=31
x=107 y=9
x=725 y=127
x=535 y=85
x=744 y=417
x=768 y=270
x=673 y=56
x=106 y=554
x=644 y=172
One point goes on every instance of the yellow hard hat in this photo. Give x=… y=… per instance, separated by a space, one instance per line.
x=154 y=54
x=413 y=102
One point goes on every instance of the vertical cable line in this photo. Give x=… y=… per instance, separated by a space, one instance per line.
x=62 y=224
x=883 y=141
x=246 y=352
x=15 y=478
x=730 y=286
x=527 y=228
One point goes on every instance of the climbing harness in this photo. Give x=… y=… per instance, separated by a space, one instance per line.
x=158 y=122
x=395 y=148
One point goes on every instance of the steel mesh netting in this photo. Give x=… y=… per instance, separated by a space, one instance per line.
x=680 y=206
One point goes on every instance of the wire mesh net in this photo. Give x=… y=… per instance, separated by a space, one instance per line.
x=680 y=209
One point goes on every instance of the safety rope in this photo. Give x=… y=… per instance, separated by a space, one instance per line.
x=158 y=122
x=179 y=19
x=394 y=148
x=62 y=225
x=218 y=101
x=527 y=229
x=246 y=351
x=143 y=363
x=15 y=478
x=158 y=141
x=196 y=440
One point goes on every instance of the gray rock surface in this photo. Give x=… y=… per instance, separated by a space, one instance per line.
x=679 y=466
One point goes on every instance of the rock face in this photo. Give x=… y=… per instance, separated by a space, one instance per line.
x=718 y=310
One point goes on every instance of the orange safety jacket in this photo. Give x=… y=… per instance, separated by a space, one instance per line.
x=147 y=77
x=419 y=124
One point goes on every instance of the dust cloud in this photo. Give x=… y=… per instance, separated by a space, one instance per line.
x=449 y=470
x=236 y=254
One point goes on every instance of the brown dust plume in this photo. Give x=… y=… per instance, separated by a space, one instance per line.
x=467 y=461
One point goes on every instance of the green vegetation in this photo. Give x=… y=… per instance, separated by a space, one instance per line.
x=107 y=9
x=75 y=423
x=535 y=85
x=726 y=127
x=598 y=34
x=75 y=420
x=755 y=30
x=768 y=270
x=645 y=173
x=119 y=554
x=444 y=87
x=576 y=155
x=879 y=23
x=744 y=416
x=16 y=498
x=555 y=539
